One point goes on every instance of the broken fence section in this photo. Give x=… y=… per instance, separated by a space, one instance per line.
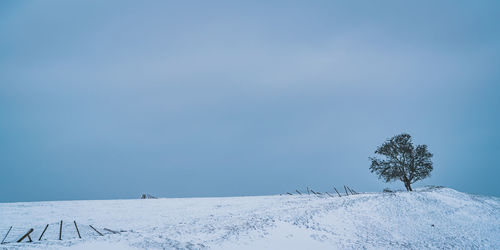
x=52 y=231
x=309 y=191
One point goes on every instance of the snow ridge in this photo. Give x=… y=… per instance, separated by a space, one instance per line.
x=430 y=218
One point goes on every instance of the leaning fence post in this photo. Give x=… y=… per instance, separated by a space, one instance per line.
x=318 y=194
x=337 y=192
x=329 y=194
x=26 y=235
x=112 y=231
x=3 y=240
x=346 y=191
x=95 y=230
x=78 y=231
x=350 y=190
x=60 y=230
x=298 y=192
x=41 y=235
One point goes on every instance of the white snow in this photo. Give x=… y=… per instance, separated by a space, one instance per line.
x=371 y=220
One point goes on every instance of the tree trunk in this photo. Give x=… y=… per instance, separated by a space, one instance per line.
x=408 y=186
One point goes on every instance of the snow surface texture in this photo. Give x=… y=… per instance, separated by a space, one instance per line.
x=427 y=218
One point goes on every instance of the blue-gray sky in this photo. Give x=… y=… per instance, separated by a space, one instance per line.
x=102 y=100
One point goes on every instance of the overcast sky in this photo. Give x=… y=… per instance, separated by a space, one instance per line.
x=105 y=100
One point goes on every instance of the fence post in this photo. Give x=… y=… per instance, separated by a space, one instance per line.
x=308 y=190
x=41 y=235
x=298 y=192
x=337 y=192
x=346 y=191
x=318 y=194
x=60 y=230
x=26 y=235
x=350 y=190
x=112 y=231
x=95 y=230
x=78 y=231
x=6 y=235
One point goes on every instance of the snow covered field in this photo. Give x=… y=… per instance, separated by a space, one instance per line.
x=427 y=218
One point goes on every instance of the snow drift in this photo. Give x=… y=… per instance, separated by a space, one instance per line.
x=426 y=218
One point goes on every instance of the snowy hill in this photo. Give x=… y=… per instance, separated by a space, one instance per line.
x=427 y=218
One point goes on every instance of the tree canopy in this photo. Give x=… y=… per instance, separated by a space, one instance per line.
x=400 y=160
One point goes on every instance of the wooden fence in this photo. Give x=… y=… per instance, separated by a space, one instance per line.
x=54 y=231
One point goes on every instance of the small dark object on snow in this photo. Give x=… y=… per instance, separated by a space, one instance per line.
x=147 y=196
